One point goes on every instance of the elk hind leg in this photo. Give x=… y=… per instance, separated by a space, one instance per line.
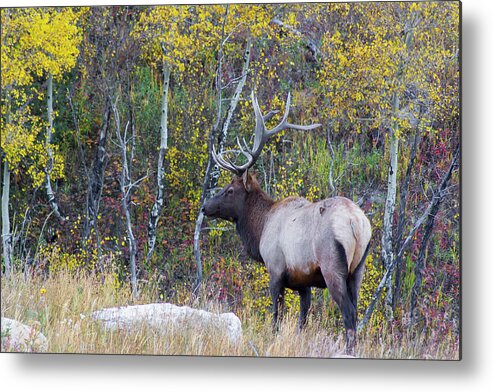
x=336 y=277
x=354 y=281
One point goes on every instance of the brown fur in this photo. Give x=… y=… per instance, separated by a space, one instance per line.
x=250 y=223
x=248 y=206
x=295 y=280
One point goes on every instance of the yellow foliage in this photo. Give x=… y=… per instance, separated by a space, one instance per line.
x=57 y=260
x=371 y=279
x=178 y=34
x=384 y=52
x=35 y=42
x=38 y=41
x=256 y=294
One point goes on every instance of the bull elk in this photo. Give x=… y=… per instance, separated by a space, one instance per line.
x=302 y=244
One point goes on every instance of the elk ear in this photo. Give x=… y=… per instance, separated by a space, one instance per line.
x=247 y=181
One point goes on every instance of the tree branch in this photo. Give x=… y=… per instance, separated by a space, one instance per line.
x=432 y=207
x=309 y=43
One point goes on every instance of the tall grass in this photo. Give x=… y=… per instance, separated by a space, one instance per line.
x=60 y=305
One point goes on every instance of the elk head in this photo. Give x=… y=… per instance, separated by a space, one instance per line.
x=230 y=202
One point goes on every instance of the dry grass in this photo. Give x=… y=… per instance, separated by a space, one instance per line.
x=59 y=305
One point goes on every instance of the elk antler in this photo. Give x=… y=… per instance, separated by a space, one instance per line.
x=262 y=135
x=226 y=163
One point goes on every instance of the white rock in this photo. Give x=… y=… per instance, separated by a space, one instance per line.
x=20 y=337
x=164 y=315
x=343 y=355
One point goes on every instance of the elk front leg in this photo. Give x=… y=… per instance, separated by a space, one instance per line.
x=276 y=288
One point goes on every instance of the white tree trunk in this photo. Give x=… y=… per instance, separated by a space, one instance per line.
x=133 y=249
x=126 y=187
x=49 y=135
x=332 y=158
x=387 y=246
x=388 y=220
x=6 y=234
x=163 y=146
x=212 y=171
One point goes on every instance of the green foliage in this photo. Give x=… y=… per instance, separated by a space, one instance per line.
x=350 y=168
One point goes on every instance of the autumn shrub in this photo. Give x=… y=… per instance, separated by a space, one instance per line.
x=350 y=170
x=53 y=260
x=255 y=294
x=226 y=280
x=372 y=277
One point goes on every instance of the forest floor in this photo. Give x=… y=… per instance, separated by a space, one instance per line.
x=59 y=306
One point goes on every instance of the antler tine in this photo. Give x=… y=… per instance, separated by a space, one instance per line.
x=284 y=121
x=215 y=157
x=302 y=127
x=221 y=162
x=265 y=118
x=225 y=158
x=285 y=124
x=241 y=169
x=262 y=134
x=269 y=115
x=245 y=146
x=259 y=127
x=245 y=150
x=226 y=163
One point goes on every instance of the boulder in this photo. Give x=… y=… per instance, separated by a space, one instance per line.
x=162 y=316
x=19 y=337
x=343 y=355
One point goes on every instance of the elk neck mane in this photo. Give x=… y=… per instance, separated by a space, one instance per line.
x=250 y=223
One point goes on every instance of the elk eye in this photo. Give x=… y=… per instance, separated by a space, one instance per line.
x=229 y=191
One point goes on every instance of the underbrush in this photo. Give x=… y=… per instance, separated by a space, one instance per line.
x=60 y=305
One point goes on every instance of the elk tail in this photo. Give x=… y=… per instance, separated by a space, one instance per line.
x=360 y=244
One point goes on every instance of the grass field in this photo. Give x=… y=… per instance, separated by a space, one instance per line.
x=59 y=306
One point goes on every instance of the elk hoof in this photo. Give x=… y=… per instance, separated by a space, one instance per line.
x=350 y=342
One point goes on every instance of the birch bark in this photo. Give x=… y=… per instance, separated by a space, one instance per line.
x=49 y=136
x=6 y=234
x=163 y=147
x=387 y=248
x=402 y=216
x=126 y=186
x=220 y=133
x=387 y=234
